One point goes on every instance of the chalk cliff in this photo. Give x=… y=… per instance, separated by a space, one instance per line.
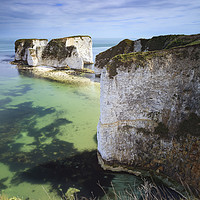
x=30 y=50
x=150 y=111
x=69 y=51
x=155 y=43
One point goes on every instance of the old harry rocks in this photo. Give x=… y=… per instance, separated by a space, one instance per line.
x=74 y=52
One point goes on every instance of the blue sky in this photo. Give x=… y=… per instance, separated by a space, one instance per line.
x=98 y=18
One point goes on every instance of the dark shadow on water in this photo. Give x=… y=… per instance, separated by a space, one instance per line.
x=39 y=155
x=80 y=171
x=48 y=131
x=5 y=101
x=23 y=113
x=43 y=146
x=2 y=185
x=82 y=95
x=19 y=90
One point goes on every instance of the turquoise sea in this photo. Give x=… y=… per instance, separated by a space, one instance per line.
x=48 y=136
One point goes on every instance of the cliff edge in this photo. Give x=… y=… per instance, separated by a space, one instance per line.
x=143 y=45
x=150 y=112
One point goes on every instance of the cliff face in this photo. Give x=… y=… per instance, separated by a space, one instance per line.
x=155 y=43
x=150 y=113
x=29 y=50
x=70 y=51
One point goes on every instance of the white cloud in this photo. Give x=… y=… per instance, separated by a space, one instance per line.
x=100 y=17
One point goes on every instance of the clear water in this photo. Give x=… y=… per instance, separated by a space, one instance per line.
x=48 y=135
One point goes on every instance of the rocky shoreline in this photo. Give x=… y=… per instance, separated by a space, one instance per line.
x=77 y=77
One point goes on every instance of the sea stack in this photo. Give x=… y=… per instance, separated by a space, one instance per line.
x=150 y=108
x=73 y=52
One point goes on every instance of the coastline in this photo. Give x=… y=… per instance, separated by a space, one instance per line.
x=79 y=77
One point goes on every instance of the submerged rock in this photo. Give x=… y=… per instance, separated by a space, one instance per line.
x=155 y=43
x=150 y=110
x=74 y=52
x=76 y=77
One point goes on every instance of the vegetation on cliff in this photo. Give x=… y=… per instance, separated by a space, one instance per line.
x=169 y=41
x=56 y=49
x=81 y=36
x=125 y=46
x=156 y=43
x=140 y=59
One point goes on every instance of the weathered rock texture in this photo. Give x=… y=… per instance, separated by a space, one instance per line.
x=150 y=112
x=155 y=43
x=30 y=50
x=69 y=51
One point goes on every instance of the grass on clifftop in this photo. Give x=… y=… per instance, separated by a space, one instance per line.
x=124 y=47
x=78 y=36
x=140 y=59
x=154 y=44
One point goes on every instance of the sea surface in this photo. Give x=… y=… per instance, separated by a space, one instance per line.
x=48 y=136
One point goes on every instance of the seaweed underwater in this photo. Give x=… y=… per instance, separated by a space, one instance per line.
x=36 y=156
